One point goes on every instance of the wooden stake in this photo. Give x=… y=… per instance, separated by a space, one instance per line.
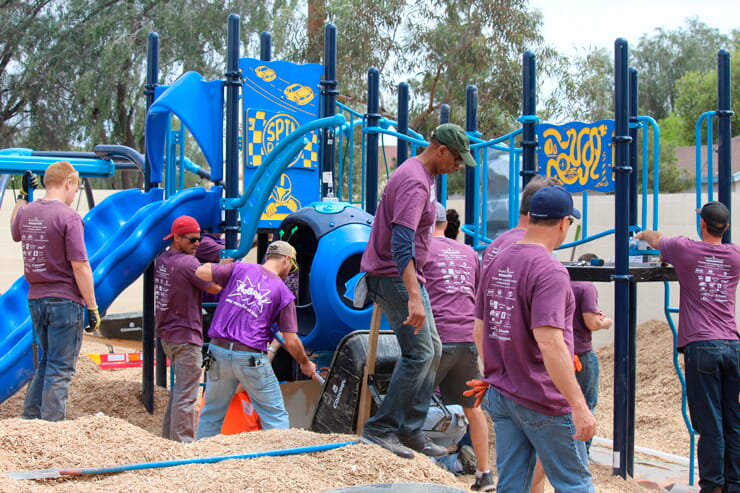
x=363 y=412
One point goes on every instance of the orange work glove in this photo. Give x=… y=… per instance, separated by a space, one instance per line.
x=577 y=363
x=478 y=390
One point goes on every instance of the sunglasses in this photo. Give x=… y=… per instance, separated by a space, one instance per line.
x=193 y=239
x=455 y=154
x=571 y=219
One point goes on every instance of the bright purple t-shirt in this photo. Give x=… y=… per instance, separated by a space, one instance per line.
x=253 y=299
x=409 y=200
x=708 y=276
x=52 y=235
x=177 y=295
x=502 y=241
x=522 y=289
x=451 y=274
x=587 y=301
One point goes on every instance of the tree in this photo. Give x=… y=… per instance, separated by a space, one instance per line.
x=662 y=59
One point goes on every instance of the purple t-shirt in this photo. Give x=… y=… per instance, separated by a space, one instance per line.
x=209 y=250
x=177 y=294
x=708 y=276
x=409 y=200
x=502 y=241
x=52 y=235
x=587 y=301
x=451 y=273
x=253 y=299
x=524 y=288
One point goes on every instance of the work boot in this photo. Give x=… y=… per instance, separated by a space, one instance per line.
x=421 y=443
x=484 y=483
x=389 y=442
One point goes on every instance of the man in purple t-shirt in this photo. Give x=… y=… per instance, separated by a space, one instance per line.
x=255 y=297
x=708 y=273
x=395 y=253
x=60 y=285
x=523 y=313
x=178 y=293
x=515 y=234
x=452 y=271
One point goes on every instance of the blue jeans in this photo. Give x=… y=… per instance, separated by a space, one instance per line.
x=406 y=402
x=588 y=379
x=713 y=388
x=254 y=372
x=179 y=416
x=57 y=323
x=523 y=435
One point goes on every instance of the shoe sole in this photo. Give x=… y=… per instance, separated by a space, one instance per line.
x=400 y=453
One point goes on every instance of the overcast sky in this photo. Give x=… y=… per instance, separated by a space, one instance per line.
x=570 y=24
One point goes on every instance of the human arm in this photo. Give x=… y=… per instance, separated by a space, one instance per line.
x=294 y=346
x=596 y=321
x=205 y=272
x=559 y=365
x=478 y=337
x=652 y=237
x=84 y=280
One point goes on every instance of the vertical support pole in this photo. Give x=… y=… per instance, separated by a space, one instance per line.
x=329 y=108
x=623 y=418
x=471 y=125
x=265 y=56
x=402 y=147
x=365 y=400
x=371 y=142
x=724 y=134
x=529 y=111
x=441 y=181
x=632 y=320
x=148 y=330
x=233 y=83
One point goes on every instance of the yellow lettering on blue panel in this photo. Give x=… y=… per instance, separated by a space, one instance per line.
x=578 y=154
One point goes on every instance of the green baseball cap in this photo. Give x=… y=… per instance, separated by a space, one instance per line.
x=454 y=136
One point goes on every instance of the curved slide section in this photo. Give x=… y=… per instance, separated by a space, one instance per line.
x=123 y=235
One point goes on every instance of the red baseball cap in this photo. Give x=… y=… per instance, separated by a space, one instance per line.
x=183 y=225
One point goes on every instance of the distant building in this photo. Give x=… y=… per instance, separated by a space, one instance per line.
x=686 y=160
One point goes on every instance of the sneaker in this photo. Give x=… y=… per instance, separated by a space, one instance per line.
x=468 y=461
x=388 y=442
x=484 y=483
x=422 y=444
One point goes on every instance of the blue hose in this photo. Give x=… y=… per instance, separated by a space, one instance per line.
x=50 y=473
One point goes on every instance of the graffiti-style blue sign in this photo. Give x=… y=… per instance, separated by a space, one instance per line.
x=279 y=97
x=578 y=154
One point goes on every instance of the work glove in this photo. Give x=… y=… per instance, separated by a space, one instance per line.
x=93 y=319
x=478 y=390
x=577 y=366
x=29 y=183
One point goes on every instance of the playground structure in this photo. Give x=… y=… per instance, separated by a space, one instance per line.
x=301 y=186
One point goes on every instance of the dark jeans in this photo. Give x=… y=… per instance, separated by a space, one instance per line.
x=713 y=389
x=57 y=323
x=406 y=402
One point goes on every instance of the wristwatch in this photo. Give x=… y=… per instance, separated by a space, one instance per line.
x=22 y=196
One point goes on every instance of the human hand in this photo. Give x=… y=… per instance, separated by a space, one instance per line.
x=585 y=423
x=479 y=388
x=309 y=369
x=93 y=319
x=417 y=315
x=29 y=183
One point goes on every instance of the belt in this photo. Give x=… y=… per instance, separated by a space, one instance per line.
x=235 y=346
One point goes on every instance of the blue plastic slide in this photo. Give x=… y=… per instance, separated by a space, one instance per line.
x=123 y=234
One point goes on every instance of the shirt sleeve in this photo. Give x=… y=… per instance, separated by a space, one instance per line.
x=191 y=266
x=667 y=248
x=15 y=227
x=222 y=272
x=74 y=239
x=287 y=318
x=411 y=201
x=402 y=247
x=589 y=302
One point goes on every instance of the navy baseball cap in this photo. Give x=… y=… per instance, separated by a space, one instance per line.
x=552 y=202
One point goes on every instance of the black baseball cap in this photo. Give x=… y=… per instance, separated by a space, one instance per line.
x=715 y=214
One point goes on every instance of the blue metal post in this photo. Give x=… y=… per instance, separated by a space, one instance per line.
x=373 y=119
x=724 y=134
x=441 y=181
x=402 y=147
x=329 y=92
x=471 y=125
x=233 y=83
x=147 y=322
x=529 y=107
x=623 y=417
x=265 y=46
